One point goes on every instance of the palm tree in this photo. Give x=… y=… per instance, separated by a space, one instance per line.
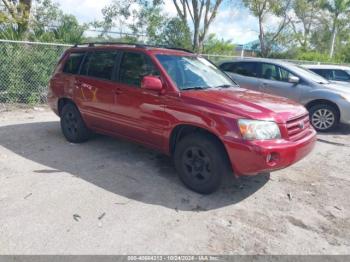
x=336 y=8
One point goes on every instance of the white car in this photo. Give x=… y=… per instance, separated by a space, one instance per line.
x=332 y=72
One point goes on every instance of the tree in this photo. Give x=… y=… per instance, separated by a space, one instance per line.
x=213 y=45
x=45 y=16
x=261 y=9
x=69 y=30
x=201 y=13
x=50 y=24
x=149 y=21
x=114 y=15
x=306 y=17
x=337 y=10
x=146 y=16
x=176 y=34
x=17 y=13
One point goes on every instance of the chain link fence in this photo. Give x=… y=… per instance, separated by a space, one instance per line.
x=25 y=70
x=26 y=67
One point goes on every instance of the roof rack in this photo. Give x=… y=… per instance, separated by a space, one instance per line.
x=104 y=43
x=133 y=44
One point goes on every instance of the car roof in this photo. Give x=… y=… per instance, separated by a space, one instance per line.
x=131 y=47
x=340 y=67
x=261 y=60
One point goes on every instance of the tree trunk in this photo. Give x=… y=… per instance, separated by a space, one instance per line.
x=262 y=38
x=25 y=7
x=196 y=37
x=334 y=35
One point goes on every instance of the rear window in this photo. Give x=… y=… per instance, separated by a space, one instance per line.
x=341 y=75
x=73 y=63
x=328 y=74
x=100 y=64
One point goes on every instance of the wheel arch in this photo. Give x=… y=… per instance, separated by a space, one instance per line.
x=62 y=102
x=182 y=130
x=314 y=102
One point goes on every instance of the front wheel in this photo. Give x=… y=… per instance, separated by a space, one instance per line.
x=324 y=117
x=201 y=162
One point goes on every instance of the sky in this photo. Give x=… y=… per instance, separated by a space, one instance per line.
x=233 y=23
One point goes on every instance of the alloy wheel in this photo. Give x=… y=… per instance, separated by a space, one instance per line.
x=323 y=119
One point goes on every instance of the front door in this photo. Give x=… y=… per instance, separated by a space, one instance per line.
x=275 y=80
x=140 y=112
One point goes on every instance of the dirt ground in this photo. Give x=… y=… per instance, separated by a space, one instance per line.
x=109 y=196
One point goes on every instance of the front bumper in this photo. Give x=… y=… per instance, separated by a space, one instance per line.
x=344 y=107
x=253 y=157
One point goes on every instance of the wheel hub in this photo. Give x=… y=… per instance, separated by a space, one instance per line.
x=323 y=119
x=197 y=164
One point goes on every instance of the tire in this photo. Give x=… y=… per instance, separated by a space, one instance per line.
x=201 y=162
x=72 y=125
x=324 y=117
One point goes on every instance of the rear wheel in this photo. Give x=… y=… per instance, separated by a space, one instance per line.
x=72 y=125
x=324 y=117
x=201 y=162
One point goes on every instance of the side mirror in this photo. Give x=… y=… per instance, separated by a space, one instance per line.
x=151 y=83
x=294 y=79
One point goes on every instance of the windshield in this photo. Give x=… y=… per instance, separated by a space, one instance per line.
x=308 y=74
x=191 y=72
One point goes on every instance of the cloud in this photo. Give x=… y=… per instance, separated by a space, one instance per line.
x=85 y=10
x=236 y=24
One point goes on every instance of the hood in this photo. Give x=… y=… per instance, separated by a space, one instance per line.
x=245 y=103
x=339 y=87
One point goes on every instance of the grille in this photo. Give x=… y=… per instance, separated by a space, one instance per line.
x=298 y=128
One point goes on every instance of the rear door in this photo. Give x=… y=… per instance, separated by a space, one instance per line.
x=243 y=73
x=275 y=80
x=95 y=89
x=65 y=80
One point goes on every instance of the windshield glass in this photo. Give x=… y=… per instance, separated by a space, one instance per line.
x=191 y=72
x=308 y=74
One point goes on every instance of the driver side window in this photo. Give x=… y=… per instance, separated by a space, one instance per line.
x=134 y=66
x=269 y=72
x=275 y=73
x=284 y=74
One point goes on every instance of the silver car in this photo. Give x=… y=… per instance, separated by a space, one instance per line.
x=328 y=103
x=336 y=73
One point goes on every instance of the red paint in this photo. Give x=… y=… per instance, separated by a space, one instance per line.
x=148 y=115
x=152 y=83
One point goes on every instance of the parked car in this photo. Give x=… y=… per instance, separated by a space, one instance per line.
x=331 y=72
x=328 y=103
x=180 y=104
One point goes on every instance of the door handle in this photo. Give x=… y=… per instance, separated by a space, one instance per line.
x=77 y=83
x=118 y=91
x=263 y=85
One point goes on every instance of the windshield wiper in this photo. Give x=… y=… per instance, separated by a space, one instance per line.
x=196 y=88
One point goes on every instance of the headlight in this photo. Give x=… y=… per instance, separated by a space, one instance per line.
x=258 y=130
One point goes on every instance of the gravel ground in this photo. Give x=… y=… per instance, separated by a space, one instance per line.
x=109 y=196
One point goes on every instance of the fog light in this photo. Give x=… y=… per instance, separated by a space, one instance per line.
x=272 y=158
x=268 y=158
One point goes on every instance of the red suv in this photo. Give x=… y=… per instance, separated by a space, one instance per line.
x=180 y=104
